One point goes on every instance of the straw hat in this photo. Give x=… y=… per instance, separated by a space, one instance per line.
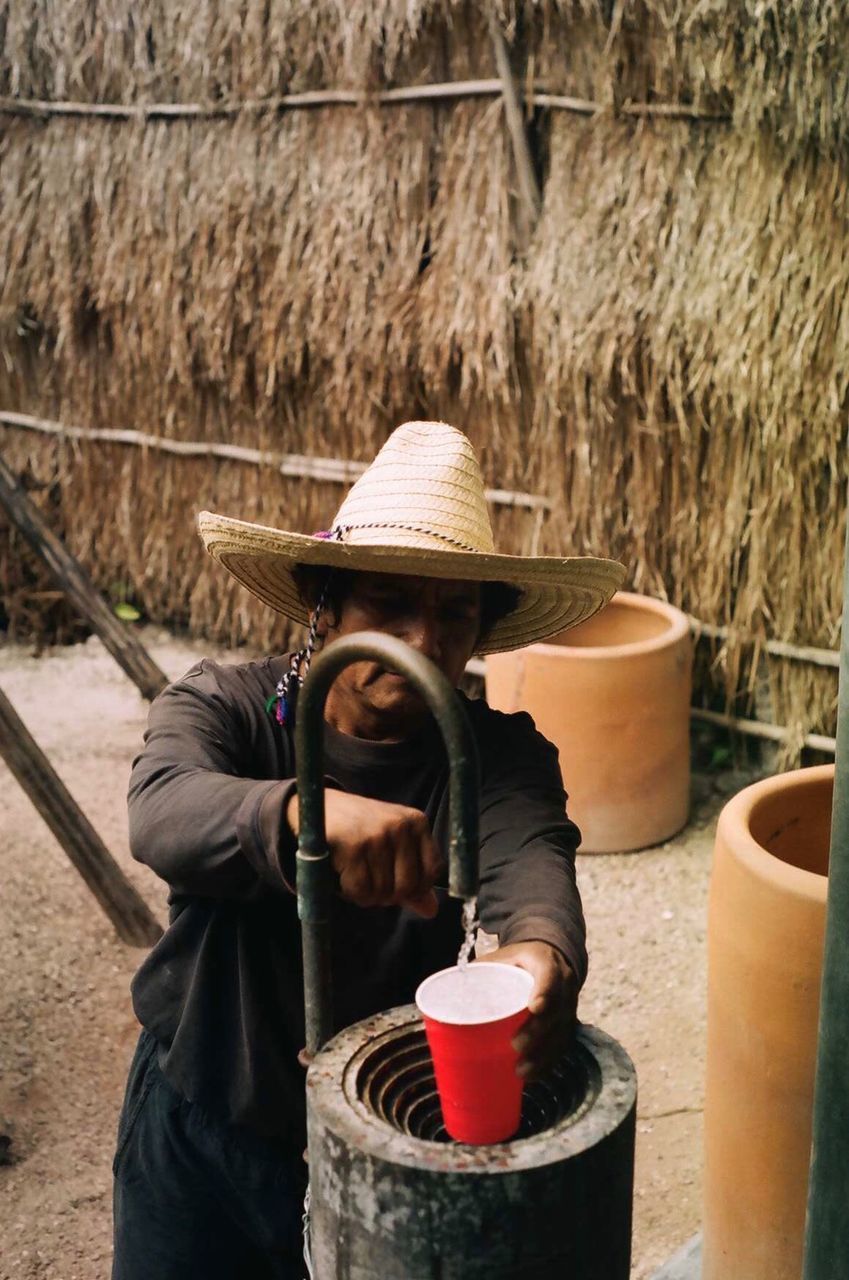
x=419 y=509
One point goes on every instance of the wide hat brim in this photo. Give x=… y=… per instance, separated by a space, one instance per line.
x=556 y=593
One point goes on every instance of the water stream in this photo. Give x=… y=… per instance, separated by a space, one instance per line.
x=470 y=925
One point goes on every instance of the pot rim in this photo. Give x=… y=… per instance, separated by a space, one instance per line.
x=679 y=626
x=734 y=827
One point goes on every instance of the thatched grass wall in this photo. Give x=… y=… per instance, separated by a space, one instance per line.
x=664 y=354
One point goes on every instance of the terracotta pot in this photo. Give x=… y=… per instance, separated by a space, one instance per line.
x=613 y=695
x=765 y=943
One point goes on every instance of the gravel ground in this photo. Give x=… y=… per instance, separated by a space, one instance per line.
x=67 y=1030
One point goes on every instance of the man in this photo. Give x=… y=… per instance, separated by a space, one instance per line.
x=209 y=1175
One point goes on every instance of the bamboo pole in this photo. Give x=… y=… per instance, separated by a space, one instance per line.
x=827 y=1226
x=486 y=88
x=300 y=466
x=132 y=918
x=563 y=102
x=537 y=96
x=757 y=729
x=637 y=110
x=124 y=646
x=779 y=648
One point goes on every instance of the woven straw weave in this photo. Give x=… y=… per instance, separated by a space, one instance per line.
x=419 y=509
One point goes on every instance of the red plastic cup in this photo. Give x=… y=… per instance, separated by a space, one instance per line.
x=470 y=1017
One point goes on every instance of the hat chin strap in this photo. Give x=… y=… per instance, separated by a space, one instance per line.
x=299 y=663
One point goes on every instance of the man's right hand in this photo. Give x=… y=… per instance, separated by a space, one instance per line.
x=384 y=854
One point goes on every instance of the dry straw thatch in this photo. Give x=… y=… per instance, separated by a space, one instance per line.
x=664 y=355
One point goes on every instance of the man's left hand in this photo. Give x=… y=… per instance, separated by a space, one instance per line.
x=549 y=1031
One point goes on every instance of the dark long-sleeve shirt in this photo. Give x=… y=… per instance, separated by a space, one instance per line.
x=223 y=989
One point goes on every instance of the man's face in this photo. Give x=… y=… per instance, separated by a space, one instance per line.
x=438 y=618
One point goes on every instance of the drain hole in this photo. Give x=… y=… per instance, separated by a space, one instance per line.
x=395 y=1082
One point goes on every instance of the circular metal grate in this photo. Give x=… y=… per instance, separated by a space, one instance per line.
x=395 y=1082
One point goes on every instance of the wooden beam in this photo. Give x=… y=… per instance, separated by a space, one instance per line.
x=125 y=647
x=134 y=921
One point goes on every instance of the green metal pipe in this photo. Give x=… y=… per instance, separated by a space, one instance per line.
x=314 y=871
x=827 y=1226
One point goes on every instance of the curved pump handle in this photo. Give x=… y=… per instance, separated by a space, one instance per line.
x=314 y=872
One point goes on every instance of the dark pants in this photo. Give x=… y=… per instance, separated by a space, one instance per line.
x=196 y=1199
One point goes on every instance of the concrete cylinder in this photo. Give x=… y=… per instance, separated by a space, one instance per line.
x=613 y=695
x=766 y=926
x=387 y=1204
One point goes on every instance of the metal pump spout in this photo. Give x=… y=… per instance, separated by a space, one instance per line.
x=314 y=872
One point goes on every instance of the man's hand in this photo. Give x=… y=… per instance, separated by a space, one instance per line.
x=384 y=854
x=549 y=1031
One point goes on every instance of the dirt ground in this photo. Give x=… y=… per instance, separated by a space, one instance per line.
x=67 y=1030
